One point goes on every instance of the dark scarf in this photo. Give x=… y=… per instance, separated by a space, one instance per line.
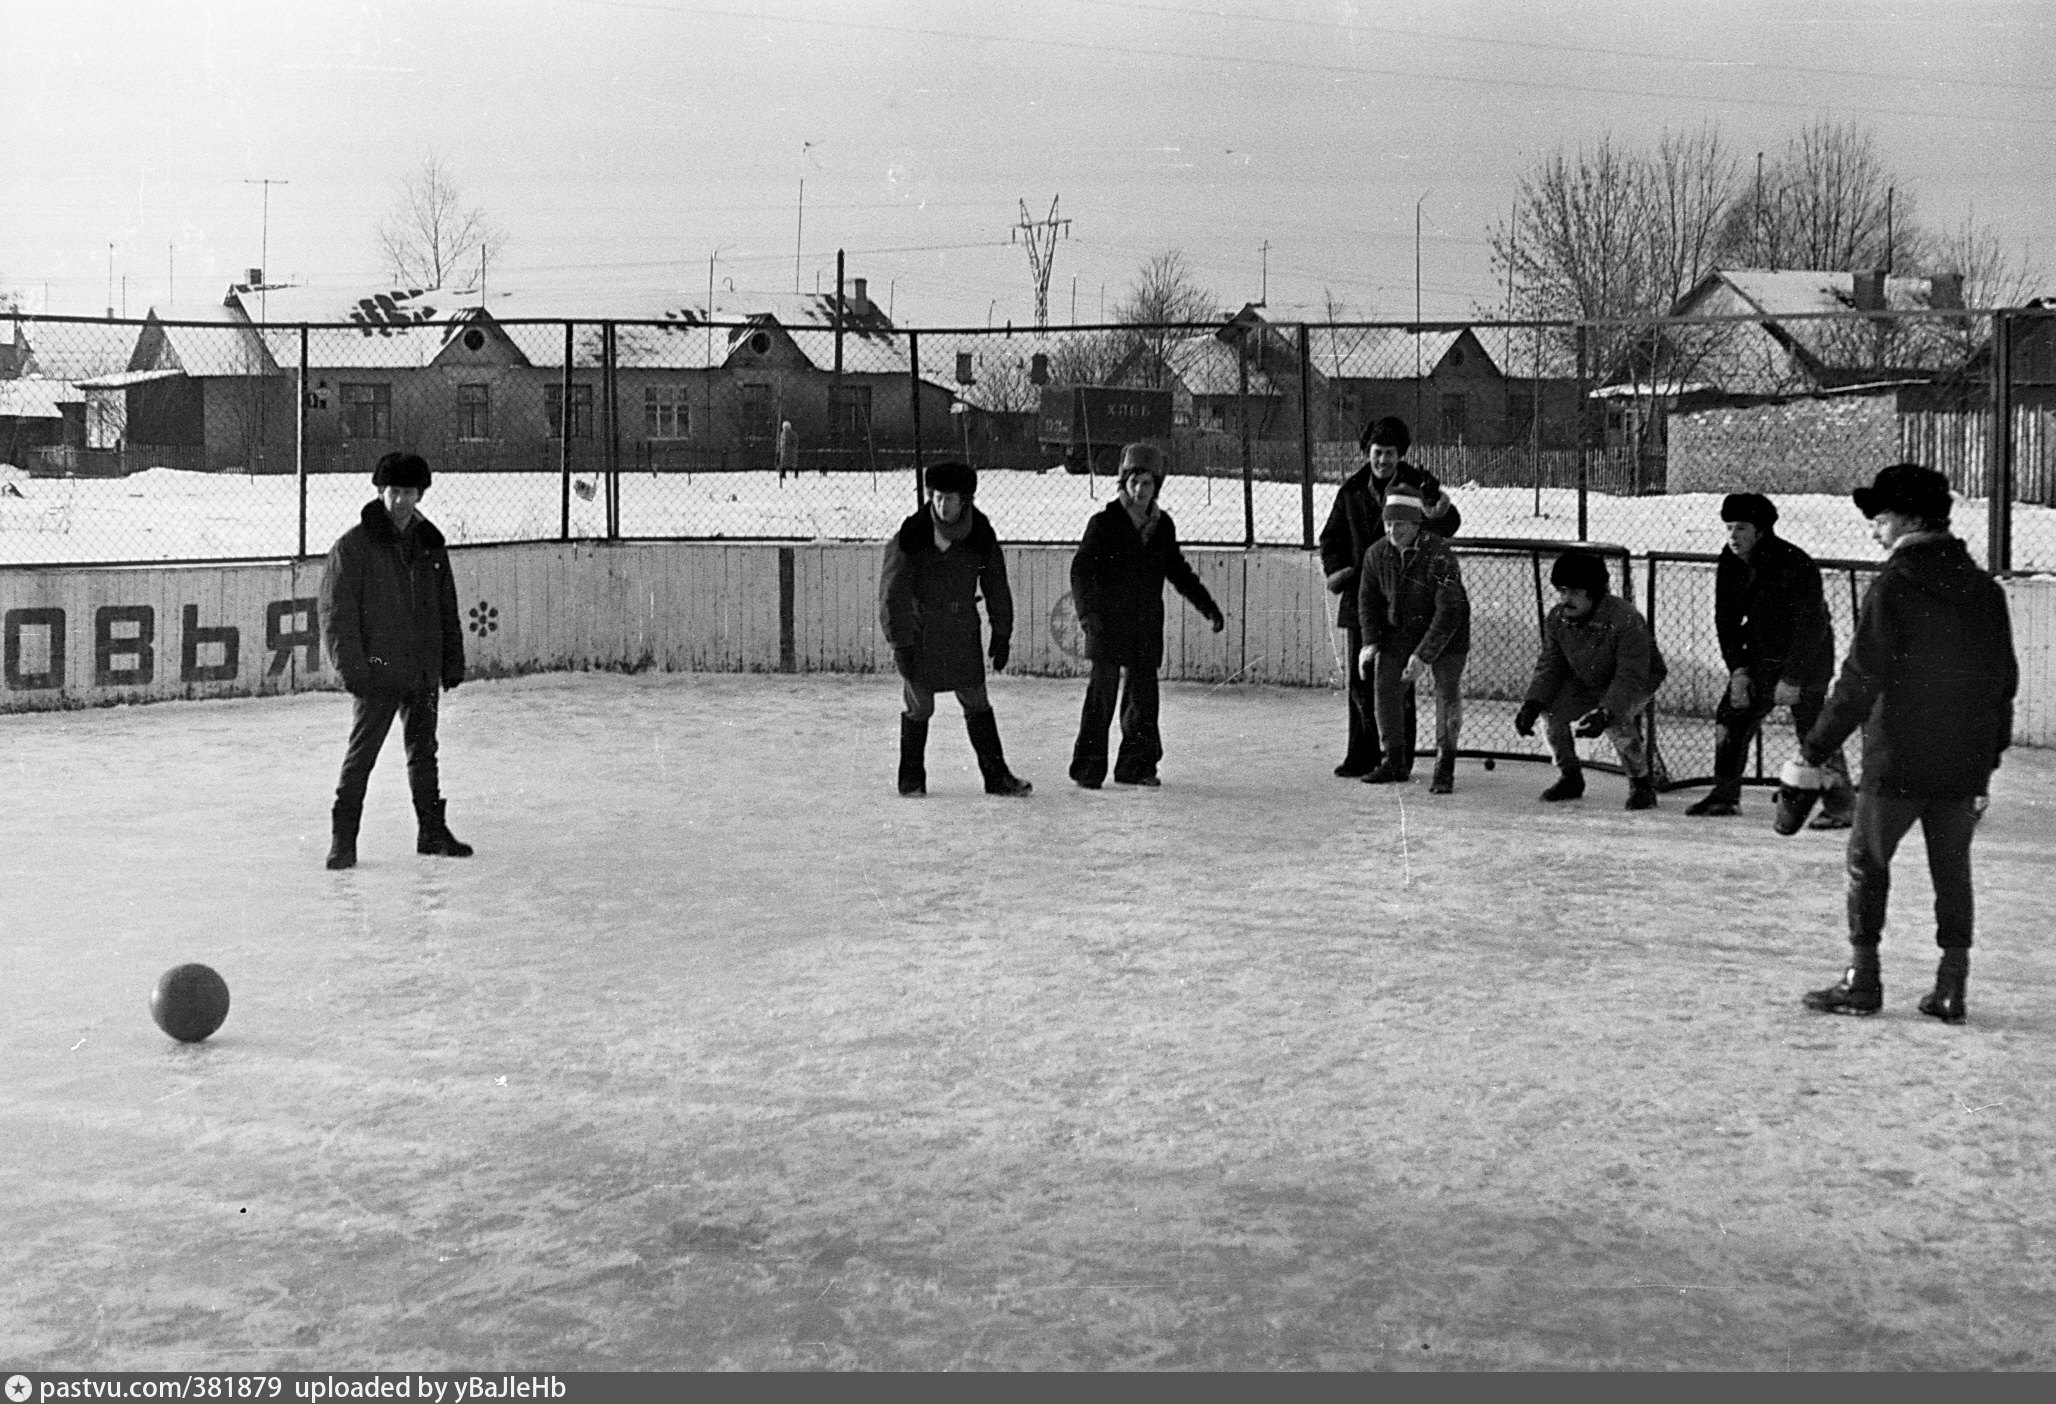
x=948 y=534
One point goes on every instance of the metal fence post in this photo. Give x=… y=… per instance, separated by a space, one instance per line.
x=1999 y=460
x=1306 y=439
x=300 y=442
x=1583 y=419
x=610 y=377
x=565 y=415
x=1248 y=468
x=914 y=388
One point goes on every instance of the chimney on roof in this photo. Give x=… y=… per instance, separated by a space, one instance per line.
x=1870 y=290
x=1945 y=291
x=253 y=277
x=860 y=299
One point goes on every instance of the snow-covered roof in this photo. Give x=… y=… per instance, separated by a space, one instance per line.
x=1377 y=353
x=1794 y=292
x=223 y=343
x=34 y=397
x=121 y=380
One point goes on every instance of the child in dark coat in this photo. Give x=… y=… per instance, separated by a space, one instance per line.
x=936 y=567
x=1117 y=585
x=1415 y=618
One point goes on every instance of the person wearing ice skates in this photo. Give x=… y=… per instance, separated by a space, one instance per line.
x=1598 y=670
x=1355 y=521
x=938 y=564
x=1117 y=586
x=1415 y=619
x=1779 y=647
x=1930 y=678
x=389 y=614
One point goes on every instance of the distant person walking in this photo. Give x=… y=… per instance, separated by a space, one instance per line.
x=1355 y=521
x=1117 y=585
x=389 y=613
x=788 y=451
x=1930 y=678
x=938 y=565
x=1779 y=647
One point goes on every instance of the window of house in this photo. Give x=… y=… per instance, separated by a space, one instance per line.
x=474 y=411
x=664 y=413
x=367 y=411
x=1456 y=413
x=756 y=410
x=852 y=412
x=581 y=410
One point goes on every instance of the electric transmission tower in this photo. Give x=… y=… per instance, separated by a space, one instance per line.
x=1041 y=238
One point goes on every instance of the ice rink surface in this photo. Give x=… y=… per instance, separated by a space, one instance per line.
x=720 y=1054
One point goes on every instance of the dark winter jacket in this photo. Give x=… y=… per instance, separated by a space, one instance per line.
x=389 y=607
x=1609 y=654
x=1771 y=616
x=1117 y=587
x=1930 y=676
x=1358 y=518
x=1414 y=601
x=928 y=599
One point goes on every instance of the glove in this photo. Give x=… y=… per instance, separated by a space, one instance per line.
x=1367 y=661
x=1738 y=688
x=1592 y=723
x=1341 y=580
x=1798 y=775
x=1413 y=669
x=1787 y=695
x=903 y=661
x=1218 y=620
x=450 y=681
x=1000 y=652
x=1524 y=719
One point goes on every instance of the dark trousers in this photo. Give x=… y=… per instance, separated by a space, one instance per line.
x=1142 y=746
x=1880 y=822
x=1396 y=700
x=920 y=701
x=370 y=720
x=1363 y=706
x=1735 y=727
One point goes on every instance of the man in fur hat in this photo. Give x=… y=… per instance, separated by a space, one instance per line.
x=389 y=613
x=1779 y=647
x=937 y=565
x=1117 y=586
x=1930 y=679
x=1598 y=671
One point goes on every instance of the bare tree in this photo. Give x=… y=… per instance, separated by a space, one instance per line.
x=431 y=238
x=1826 y=203
x=1994 y=275
x=1164 y=296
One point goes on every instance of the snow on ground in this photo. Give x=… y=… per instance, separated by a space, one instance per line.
x=166 y=514
x=719 y=1054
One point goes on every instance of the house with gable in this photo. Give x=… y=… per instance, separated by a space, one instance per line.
x=1439 y=379
x=201 y=391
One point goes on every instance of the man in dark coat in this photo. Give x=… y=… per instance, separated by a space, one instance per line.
x=1355 y=521
x=1930 y=678
x=1117 y=585
x=1779 y=647
x=937 y=565
x=1415 y=617
x=1598 y=671
x=389 y=613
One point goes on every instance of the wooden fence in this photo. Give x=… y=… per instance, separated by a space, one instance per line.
x=1960 y=445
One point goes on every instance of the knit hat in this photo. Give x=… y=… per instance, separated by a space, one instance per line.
x=1751 y=507
x=1143 y=460
x=1388 y=432
x=401 y=470
x=1908 y=488
x=1403 y=504
x=1579 y=570
x=959 y=478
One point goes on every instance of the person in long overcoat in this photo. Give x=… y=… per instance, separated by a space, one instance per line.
x=1117 y=586
x=1779 y=647
x=389 y=615
x=937 y=566
x=1355 y=521
x=1930 y=678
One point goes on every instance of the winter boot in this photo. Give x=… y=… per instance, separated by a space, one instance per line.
x=433 y=837
x=913 y=776
x=1393 y=770
x=1641 y=792
x=1717 y=804
x=1444 y=781
x=1861 y=990
x=342 y=843
x=1569 y=785
x=1945 y=1001
x=992 y=759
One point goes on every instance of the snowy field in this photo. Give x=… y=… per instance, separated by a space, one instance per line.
x=166 y=514
x=719 y=1054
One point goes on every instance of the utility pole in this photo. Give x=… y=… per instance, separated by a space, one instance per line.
x=1041 y=238
x=1263 y=297
x=264 y=245
x=799 y=230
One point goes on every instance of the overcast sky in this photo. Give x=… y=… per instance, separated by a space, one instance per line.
x=621 y=143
